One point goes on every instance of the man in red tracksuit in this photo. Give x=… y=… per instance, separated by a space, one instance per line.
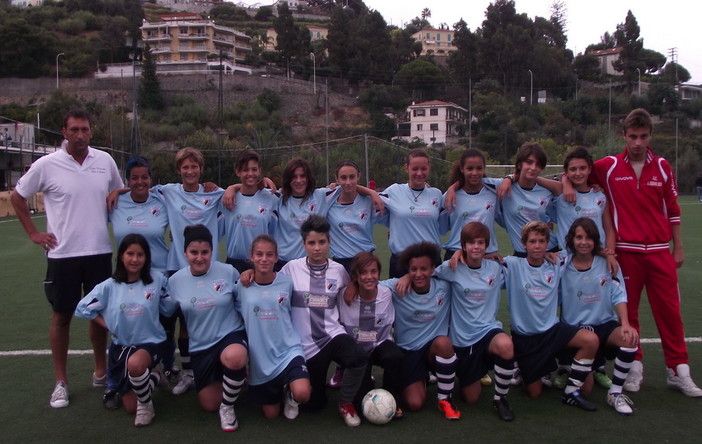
x=643 y=199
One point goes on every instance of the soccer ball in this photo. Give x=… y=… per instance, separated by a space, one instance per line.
x=379 y=406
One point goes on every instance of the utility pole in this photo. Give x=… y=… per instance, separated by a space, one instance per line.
x=674 y=58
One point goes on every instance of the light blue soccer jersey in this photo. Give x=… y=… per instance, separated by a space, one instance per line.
x=532 y=293
x=419 y=318
x=207 y=303
x=351 y=227
x=591 y=205
x=252 y=215
x=588 y=297
x=273 y=342
x=522 y=206
x=413 y=216
x=475 y=300
x=150 y=219
x=185 y=208
x=480 y=207
x=369 y=323
x=291 y=215
x=130 y=310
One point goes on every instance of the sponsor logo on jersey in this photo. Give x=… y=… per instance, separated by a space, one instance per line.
x=621 y=178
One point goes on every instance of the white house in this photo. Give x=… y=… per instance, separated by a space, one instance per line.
x=436 y=122
x=607 y=57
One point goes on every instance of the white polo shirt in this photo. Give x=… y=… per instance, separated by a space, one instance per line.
x=74 y=198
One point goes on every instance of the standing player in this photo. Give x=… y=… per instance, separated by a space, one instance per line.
x=537 y=334
x=277 y=367
x=644 y=204
x=128 y=305
x=75 y=181
x=204 y=292
x=476 y=334
x=589 y=299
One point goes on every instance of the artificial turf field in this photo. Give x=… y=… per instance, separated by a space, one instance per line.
x=26 y=381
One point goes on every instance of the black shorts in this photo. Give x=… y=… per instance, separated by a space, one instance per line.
x=475 y=361
x=271 y=392
x=535 y=354
x=604 y=352
x=416 y=365
x=207 y=366
x=69 y=279
x=118 y=355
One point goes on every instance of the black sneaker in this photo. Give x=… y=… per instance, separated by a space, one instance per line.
x=504 y=411
x=579 y=401
x=110 y=399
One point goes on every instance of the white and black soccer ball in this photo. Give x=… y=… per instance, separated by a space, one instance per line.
x=379 y=406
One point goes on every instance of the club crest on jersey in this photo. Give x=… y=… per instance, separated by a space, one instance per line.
x=155 y=211
x=439 y=299
x=549 y=277
x=434 y=202
x=148 y=293
x=599 y=202
x=490 y=279
x=206 y=201
x=331 y=285
x=488 y=205
x=603 y=279
x=311 y=206
x=363 y=215
x=262 y=209
x=218 y=285
x=282 y=298
x=542 y=202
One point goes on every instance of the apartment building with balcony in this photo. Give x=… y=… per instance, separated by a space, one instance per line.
x=434 y=122
x=436 y=42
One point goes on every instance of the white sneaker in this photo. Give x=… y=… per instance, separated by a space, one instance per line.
x=349 y=415
x=683 y=381
x=227 y=418
x=59 y=398
x=620 y=403
x=291 y=408
x=101 y=381
x=635 y=377
x=144 y=414
x=186 y=382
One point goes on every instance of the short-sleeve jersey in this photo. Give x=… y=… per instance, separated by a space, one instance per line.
x=588 y=297
x=480 y=207
x=315 y=315
x=419 y=318
x=369 y=323
x=522 y=206
x=150 y=219
x=74 y=197
x=532 y=293
x=186 y=208
x=252 y=215
x=273 y=342
x=291 y=214
x=207 y=302
x=130 y=310
x=591 y=204
x=475 y=300
x=351 y=227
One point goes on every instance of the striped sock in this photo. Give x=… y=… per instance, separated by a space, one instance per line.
x=232 y=381
x=184 y=349
x=445 y=376
x=504 y=370
x=579 y=370
x=142 y=386
x=622 y=364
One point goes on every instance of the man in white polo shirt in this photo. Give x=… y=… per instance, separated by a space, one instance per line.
x=75 y=181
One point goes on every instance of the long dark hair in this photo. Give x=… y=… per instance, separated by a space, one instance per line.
x=120 y=274
x=590 y=228
x=289 y=171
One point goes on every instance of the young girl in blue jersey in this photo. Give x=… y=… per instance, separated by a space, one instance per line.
x=277 y=370
x=591 y=298
x=368 y=315
x=475 y=332
x=413 y=210
x=537 y=333
x=422 y=311
x=218 y=344
x=128 y=305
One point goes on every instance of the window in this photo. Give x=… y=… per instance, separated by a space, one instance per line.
x=419 y=112
x=183 y=30
x=434 y=127
x=448 y=37
x=438 y=36
x=420 y=127
x=428 y=36
x=434 y=112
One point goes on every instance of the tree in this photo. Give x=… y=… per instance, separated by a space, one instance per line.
x=675 y=74
x=293 y=41
x=463 y=62
x=587 y=67
x=264 y=14
x=26 y=50
x=150 y=96
x=628 y=38
x=420 y=78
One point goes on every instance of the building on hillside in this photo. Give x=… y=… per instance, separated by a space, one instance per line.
x=434 y=122
x=187 y=43
x=607 y=57
x=436 y=42
x=690 y=92
x=26 y=3
x=199 y=6
x=18 y=154
x=316 y=33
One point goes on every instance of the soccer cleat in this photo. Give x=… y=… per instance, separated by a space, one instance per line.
x=291 y=408
x=101 y=381
x=335 y=380
x=349 y=415
x=560 y=380
x=399 y=414
x=59 y=397
x=227 y=418
x=683 y=381
x=620 y=403
x=635 y=377
x=547 y=381
x=578 y=400
x=486 y=381
x=601 y=378
x=504 y=411
x=173 y=375
x=110 y=399
x=144 y=414
x=448 y=409
x=186 y=382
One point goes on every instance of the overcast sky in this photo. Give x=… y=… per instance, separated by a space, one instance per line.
x=664 y=24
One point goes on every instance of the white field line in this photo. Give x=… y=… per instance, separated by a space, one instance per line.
x=90 y=352
x=14 y=219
